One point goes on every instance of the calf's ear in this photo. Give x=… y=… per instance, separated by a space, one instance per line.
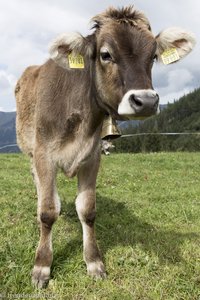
x=70 y=44
x=174 y=44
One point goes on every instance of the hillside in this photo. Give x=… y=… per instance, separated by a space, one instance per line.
x=7 y=119
x=182 y=116
x=7 y=131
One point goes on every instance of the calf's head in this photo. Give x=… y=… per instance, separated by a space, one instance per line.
x=121 y=52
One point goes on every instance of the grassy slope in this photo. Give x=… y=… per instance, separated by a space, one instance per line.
x=148 y=228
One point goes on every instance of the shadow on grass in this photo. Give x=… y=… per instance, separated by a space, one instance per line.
x=116 y=225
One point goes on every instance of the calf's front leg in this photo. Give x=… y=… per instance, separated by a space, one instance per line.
x=86 y=209
x=48 y=211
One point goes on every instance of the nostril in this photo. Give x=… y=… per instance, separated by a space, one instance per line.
x=136 y=101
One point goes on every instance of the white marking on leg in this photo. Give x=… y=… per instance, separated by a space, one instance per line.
x=86 y=235
x=80 y=208
x=96 y=269
x=40 y=276
x=43 y=270
x=57 y=202
x=80 y=203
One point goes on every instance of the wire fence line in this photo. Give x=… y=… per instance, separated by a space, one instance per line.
x=131 y=135
x=160 y=133
x=8 y=146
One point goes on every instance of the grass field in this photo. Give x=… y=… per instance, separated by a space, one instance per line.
x=148 y=229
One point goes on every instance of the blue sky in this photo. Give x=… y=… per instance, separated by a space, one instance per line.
x=27 y=27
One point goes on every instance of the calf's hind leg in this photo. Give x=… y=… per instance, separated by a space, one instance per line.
x=86 y=209
x=47 y=212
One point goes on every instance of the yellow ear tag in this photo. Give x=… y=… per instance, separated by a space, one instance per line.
x=76 y=61
x=169 y=56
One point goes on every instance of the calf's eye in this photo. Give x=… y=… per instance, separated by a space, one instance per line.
x=105 y=56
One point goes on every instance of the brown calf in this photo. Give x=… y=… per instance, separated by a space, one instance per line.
x=62 y=103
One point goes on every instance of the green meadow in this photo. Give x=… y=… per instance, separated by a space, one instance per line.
x=147 y=227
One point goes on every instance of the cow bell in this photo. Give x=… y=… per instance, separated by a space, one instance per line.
x=110 y=129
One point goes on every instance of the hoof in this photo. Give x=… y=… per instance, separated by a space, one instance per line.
x=40 y=276
x=96 y=270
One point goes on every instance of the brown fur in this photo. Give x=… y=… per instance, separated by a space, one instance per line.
x=128 y=15
x=26 y=102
